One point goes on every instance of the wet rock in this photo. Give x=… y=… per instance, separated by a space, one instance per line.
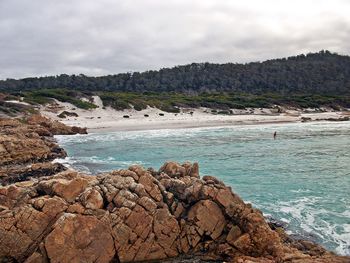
x=274 y=223
x=13 y=174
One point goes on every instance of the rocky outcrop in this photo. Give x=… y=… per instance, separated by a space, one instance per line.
x=55 y=127
x=21 y=145
x=50 y=214
x=174 y=170
x=27 y=147
x=138 y=215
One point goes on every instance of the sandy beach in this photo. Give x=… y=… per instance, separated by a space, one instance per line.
x=107 y=119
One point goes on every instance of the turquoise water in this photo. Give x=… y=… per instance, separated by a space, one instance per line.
x=301 y=178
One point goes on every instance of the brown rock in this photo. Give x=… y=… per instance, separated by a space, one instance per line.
x=69 y=190
x=78 y=238
x=233 y=235
x=166 y=230
x=244 y=244
x=148 y=204
x=35 y=258
x=92 y=199
x=76 y=209
x=22 y=148
x=29 y=141
x=226 y=198
x=192 y=170
x=208 y=218
x=174 y=169
x=212 y=179
x=140 y=221
x=151 y=188
x=54 y=127
x=138 y=215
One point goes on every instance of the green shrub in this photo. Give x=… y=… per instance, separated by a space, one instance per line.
x=171 y=101
x=45 y=96
x=139 y=105
x=224 y=112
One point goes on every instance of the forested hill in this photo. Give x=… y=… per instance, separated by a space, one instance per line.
x=316 y=73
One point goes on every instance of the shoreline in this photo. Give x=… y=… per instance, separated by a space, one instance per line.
x=107 y=119
x=274 y=222
x=209 y=122
x=85 y=196
x=175 y=126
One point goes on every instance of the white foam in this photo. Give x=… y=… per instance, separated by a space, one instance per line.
x=304 y=213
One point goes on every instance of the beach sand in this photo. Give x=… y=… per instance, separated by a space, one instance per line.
x=107 y=119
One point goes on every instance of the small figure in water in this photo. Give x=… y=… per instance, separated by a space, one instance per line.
x=274 y=135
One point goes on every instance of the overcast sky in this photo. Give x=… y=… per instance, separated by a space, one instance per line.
x=98 y=37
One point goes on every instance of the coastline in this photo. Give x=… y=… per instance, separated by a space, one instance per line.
x=133 y=197
x=109 y=120
x=298 y=236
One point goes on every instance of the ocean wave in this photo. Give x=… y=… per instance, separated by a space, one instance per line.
x=95 y=165
x=306 y=217
x=300 y=190
x=67 y=162
x=293 y=131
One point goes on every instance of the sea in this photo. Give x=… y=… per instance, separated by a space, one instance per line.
x=301 y=178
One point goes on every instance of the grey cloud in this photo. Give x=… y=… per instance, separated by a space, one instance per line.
x=111 y=36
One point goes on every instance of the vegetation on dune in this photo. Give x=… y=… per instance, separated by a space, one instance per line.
x=44 y=96
x=12 y=109
x=171 y=102
x=140 y=101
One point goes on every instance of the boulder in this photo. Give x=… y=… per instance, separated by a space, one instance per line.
x=65 y=114
x=174 y=169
